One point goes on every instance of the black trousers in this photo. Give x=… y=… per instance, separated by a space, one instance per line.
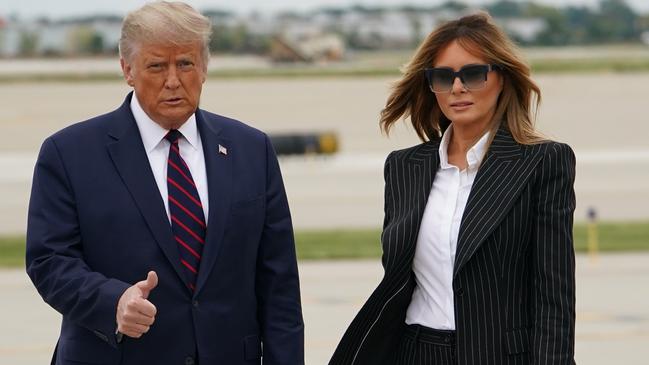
x=421 y=345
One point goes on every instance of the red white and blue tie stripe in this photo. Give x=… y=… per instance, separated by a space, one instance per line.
x=186 y=211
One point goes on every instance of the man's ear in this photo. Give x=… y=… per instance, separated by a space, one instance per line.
x=204 y=75
x=127 y=70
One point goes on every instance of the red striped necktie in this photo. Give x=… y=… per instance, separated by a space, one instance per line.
x=186 y=210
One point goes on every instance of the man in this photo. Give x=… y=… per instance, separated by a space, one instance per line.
x=161 y=232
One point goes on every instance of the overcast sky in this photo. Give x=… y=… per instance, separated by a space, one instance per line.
x=64 y=8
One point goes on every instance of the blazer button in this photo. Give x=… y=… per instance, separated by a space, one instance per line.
x=459 y=292
x=189 y=360
x=195 y=303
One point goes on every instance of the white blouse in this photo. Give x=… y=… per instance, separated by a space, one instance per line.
x=432 y=302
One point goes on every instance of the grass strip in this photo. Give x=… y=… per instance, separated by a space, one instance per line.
x=351 y=244
x=12 y=251
x=365 y=243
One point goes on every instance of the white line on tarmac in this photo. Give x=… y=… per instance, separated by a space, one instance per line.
x=18 y=166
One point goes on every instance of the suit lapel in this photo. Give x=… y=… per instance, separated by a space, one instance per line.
x=218 y=163
x=501 y=178
x=128 y=154
x=424 y=163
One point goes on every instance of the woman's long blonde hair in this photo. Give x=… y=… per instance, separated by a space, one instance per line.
x=478 y=34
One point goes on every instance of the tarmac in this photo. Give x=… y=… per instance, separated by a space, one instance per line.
x=606 y=127
x=612 y=310
x=607 y=130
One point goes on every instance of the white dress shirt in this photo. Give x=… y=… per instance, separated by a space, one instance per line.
x=157 y=150
x=432 y=303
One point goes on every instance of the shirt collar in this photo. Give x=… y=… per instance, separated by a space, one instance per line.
x=473 y=156
x=152 y=133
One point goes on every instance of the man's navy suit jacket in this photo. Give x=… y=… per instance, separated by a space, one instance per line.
x=97 y=224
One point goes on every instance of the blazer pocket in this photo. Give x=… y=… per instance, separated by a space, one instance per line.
x=89 y=352
x=517 y=341
x=244 y=207
x=252 y=347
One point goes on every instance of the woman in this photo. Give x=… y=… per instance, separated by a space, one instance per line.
x=477 y=237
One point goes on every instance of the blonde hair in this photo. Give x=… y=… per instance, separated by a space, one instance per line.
x=478 y=34
x=164 y=22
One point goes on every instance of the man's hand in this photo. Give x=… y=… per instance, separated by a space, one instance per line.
x=135 y=314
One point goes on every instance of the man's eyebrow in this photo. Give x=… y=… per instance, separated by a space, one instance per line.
x=155 y=59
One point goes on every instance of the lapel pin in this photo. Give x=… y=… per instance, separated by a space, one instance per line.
x=223 y=150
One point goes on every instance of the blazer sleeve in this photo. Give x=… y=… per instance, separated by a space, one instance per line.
x=54 y=254
x=554 y=259
x=387 y=199
x=278 y=288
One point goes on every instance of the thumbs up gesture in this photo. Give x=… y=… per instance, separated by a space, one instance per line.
x=135 y=313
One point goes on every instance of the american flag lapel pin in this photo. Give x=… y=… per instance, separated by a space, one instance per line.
x=223 y=150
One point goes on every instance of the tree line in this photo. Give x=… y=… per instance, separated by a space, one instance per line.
x=612 y=21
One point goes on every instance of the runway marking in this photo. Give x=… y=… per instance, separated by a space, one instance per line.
x=612 y=335
x=20 y=165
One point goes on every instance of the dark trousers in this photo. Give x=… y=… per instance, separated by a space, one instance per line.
x=421 y=345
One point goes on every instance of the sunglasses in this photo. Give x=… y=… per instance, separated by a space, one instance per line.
x=473 y=77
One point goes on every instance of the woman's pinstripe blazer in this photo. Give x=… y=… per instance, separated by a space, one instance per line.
x=514 y=266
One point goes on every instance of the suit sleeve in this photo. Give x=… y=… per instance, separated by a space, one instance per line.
x=54 y=255
x=387 y=200
x=355 y=334
x=554 y=260
x=278 y=289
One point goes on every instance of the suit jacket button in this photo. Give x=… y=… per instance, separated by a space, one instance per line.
x=459 y=292
x=189 y=360
x=195 y=303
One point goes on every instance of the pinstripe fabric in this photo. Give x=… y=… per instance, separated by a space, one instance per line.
x=514 y=268
x=410 y=352
x=423 y=346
